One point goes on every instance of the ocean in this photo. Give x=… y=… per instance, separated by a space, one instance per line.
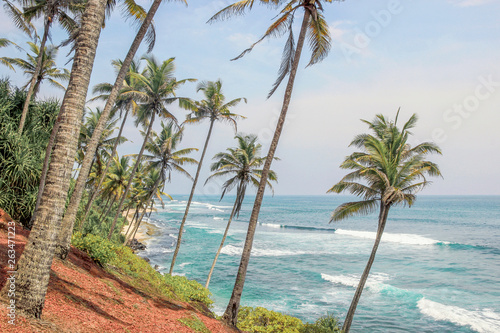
x=437 y=268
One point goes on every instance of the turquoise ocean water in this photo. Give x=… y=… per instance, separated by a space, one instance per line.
x=437 y=268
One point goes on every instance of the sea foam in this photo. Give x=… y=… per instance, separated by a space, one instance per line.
x=410 y=239
x=482 y=321
x=374 y=282
x=232 y=250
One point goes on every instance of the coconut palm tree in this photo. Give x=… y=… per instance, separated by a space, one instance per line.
x=214 y=108
x=125 y=103
x=48 y=70
x=116 y=180
x=242 y=163
x=315 y=27
x=76 y=197
x=150 y=189
x=387 y=172
x=51 y=11
x=164 y=157
x=34 y=265
x=106 y=142
x=158 y=86
x=136 y=11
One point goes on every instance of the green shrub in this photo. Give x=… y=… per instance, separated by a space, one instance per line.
x=325 y=324
x=188 y=290
x=98 y=248
x=170 y=286
x=261 y=320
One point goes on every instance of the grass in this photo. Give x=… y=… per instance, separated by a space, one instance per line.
x=194 y=323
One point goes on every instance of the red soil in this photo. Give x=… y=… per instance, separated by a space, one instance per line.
x=82 y=297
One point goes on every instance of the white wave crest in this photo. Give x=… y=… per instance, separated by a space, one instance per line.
x=232 y=250
x=271 y=225
x=374 y=282
x=218 y=218
x=410 y=239
x=482 y=321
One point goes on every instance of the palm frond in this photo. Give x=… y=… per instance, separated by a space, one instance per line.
x=349 y=209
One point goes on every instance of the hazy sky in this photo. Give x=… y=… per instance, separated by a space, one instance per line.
x=439 y=59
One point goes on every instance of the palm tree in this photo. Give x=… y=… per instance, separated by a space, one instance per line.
x=48 y=69
x=158 y=87
x=316 y=28
x=116 y=180
x=164 y=157
x=391 y=173
x=242 y=163
x=76 y=197
x=124 y=102
x=51 y=11
x=150 y=188
x=214 y=108
x=106 y=142
x=131 y=9
x=34 y=265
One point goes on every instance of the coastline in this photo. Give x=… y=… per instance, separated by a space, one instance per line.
x=146 y=230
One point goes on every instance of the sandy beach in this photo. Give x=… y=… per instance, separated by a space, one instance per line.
x=145 y=231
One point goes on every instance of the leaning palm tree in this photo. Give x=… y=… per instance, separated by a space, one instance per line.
x=150 y=189
x=68 y=222
x=386 y=173
x=125 y=102
x=48 y=70
x=33 y=269
x=164 y=157
x=315 y=27
x=242 y=163
x=157 y=90
x=213 y=108
x=51 y=11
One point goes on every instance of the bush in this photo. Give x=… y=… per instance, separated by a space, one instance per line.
x=166 y=285
x=325 y=324
x=189 y=290
x=21 y=156
x=99 y=249
x=261 y=320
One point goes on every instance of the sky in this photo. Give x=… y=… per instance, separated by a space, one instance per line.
x=439 y=59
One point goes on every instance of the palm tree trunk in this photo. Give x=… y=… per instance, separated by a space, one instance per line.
x=178 y=245
x=139 y=220
x=36 y=73
x=230 y=316
x=109 y=208
x=46 y=160
x=103 y=176
x=384 y=211
x=221 y=243
x=70 y=216
x=34 y=266
x=131 y=222
x=132 y=174
x=105 y=207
